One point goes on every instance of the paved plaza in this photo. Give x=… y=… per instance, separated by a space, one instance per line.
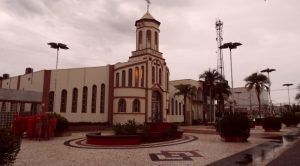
x=199 y=146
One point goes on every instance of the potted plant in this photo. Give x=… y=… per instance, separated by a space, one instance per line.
x=271 y=124
x=290 y=119
x=234 y=128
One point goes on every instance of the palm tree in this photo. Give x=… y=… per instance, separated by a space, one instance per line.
x=187 y=91
x=222 y=92
x=298 y=94
x=210 y=80
x=258 y=82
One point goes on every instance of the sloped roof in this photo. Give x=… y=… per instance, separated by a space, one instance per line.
x=14 y=95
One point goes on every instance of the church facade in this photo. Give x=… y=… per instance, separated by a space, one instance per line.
x=137 y=89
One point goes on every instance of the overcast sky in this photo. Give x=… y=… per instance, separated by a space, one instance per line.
x=101 y=32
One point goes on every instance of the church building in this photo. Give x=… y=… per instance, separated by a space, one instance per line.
x=137 y=89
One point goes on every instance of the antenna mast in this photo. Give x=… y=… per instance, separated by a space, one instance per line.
x=220 y=62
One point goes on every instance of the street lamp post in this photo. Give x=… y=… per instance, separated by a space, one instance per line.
x=288 y=87
x=57 y=46
x=231 y=46
x=267 y=70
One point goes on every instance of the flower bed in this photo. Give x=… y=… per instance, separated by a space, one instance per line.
x=132 y=133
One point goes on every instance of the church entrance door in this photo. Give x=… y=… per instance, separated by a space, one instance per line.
x=156 y=107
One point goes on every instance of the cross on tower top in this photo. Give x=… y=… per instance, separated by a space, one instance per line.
x=148 y=5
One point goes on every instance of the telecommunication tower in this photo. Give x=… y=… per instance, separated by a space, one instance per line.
x=220 y=62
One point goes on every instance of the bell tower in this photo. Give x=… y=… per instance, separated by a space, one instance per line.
x=147 y=36
x=147 y=33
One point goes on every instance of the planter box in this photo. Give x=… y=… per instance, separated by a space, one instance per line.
x=234 y=139
x=97 y=139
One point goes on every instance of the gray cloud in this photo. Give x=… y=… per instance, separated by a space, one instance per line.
x=101 y=32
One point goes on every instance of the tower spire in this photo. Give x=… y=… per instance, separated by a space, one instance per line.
x=148 y=5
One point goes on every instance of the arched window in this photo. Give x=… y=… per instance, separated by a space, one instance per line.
x=74 y=100
x=63 y=101
x=122 y=105
x=179 y=108
x=102 y=98
x=159 y=78
x=176 y=107
x=137 y=74
x=142 y=76
x=123 y=78
x=153 y=74
x=172 y=106
x=156 y=40
x=136 y=106
x=84 y=99
x=94 y=98
x=51 y=101
x=140 y=38
x=117 y=79
x=148 y=39
x=130 y=77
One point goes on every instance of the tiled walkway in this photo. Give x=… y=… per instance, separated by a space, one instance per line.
x=192 y=149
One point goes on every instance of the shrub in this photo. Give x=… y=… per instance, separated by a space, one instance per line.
x=62 y=123
x=271 y=123
x=171 y=131
x=118 y=128
x=290 y=118
x=234 y=125
x=9 y=146
x=129 y=128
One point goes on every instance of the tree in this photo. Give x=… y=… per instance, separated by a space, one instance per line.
x=258 y=82
x=211 y=77
x=222 y=92
x=298 y=94
x=187 y=91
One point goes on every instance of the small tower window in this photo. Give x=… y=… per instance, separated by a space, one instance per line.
x=148 y=39
x=140 y=37
x=156 y=40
